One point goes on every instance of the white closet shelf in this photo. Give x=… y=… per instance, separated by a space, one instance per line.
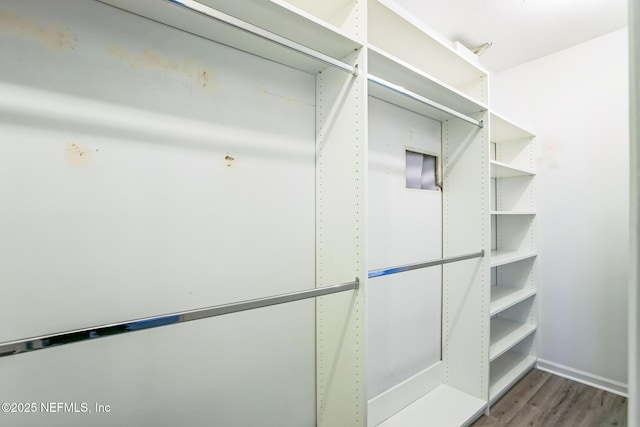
x=505 y=334
x=501 y=257
x=503 y=170
x=503 y=297
x=328 y=12
x=398 y=72
x=276 y=17
x=444 y=406
x=503 y=130
x=436 y=54
x=506 y=370
x=512 y=213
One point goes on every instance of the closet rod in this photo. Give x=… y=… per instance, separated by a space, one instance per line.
x=53 y=340
x=424 y=100
x=402 y=268
x=239 y=24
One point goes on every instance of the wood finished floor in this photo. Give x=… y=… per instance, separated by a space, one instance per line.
x=543 y=399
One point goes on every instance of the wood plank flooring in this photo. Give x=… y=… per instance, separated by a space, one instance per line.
x=546 y=400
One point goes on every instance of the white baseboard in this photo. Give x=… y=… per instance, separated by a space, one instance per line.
x=592 y=380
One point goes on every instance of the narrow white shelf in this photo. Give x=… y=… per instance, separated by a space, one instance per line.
x=444 y=406
x=512 y=213
x=503 y=130
x=503 y=170
x=279 y=18
x=505 y=334
x=506 y=370
x=501 y=257
x=503 y=297
x=398 y=72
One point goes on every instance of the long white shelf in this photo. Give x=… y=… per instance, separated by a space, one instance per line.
x=276 y=17
x=512 y=213
x=501 y=257
x=506 y=370
x=503 y=297
x=398 y=72
x=504 y=130
x=503 y=170
x=438 y=55
x=444 y=406
x=505 y=334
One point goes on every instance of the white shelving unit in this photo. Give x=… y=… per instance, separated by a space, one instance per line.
x=455 y=390
x=340 y=51
x=513 y=288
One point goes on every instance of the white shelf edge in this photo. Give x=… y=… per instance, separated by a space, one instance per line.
x=312 y=18
x=412 y=20
x=508 y=297
x=282 y=8
x=518 y=132
x=303 y=29
x=509 y=368
x=502 y=257
x=504 y=170
x=438 y=56
x=474 y=104
x=511 y=334
x=512 y=213
x=445 y=406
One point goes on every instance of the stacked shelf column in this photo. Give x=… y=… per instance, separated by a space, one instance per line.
x=512 y=350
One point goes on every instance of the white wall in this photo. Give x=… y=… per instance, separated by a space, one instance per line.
x=576 y=101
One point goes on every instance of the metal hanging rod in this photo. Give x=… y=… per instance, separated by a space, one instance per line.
x=45 y=341
x=423 y=100
x=239 y=24
x=402 y=268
